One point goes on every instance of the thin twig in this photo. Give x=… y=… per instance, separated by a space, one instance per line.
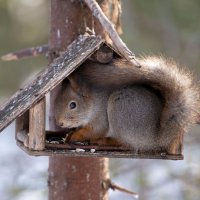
x=109 y=27
x=108 y=184
x=33 y=51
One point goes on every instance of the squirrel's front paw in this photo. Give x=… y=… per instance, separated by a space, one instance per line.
x=79 y=135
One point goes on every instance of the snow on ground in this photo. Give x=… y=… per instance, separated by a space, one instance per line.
x=22 y=176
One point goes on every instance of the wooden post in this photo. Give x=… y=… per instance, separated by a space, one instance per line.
x=176 y=146
x=37 y=126
x=78 y=177
x=68 y=21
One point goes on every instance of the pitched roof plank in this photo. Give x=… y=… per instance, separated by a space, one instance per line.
x=50 y=77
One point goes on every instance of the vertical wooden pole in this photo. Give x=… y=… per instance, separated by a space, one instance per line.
x=37 y=126
x=69 y=19
x=73 y=178
x=77 y=178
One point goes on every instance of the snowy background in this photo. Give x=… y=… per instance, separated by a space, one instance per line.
x=22 y=176
x=163 y=27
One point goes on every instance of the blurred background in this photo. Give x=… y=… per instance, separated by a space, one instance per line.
x=157 y=27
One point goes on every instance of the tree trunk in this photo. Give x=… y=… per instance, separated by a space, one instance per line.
x=73 y=178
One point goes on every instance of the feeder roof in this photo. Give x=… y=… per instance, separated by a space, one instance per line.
x=49 y=78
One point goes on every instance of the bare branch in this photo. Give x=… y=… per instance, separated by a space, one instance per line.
x=109 y=27
x=108 y=184
x=33 y=51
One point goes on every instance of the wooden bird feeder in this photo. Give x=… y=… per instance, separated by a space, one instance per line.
x=27 y=107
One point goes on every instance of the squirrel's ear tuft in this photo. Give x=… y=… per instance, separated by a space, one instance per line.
x=78 y=85
x=73 y=82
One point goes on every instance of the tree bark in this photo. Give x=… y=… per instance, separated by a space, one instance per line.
x=75 y=177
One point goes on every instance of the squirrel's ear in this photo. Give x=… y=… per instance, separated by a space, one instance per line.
x=73 y=82
x=78 y=85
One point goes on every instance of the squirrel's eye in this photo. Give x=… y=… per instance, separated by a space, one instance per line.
x=72 y=105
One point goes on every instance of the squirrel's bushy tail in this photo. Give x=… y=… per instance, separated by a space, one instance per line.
x=177 y=86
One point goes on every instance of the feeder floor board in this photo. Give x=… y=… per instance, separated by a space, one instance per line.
x=96 y=151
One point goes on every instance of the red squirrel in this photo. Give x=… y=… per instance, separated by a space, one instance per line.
x=142 y=108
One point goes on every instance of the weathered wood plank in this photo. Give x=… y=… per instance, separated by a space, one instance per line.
x=22 y=128
x=37 y=126
x=50 y=77
x=176 y=146
x=22 y=123
x=51 y=150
